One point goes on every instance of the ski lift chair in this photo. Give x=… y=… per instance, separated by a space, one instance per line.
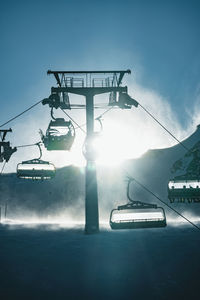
x=184 y=188
x=36 y=168
x=137 y=214
x=8 y=151
x=60 y=134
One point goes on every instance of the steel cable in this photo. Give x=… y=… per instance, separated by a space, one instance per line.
x=78 y=126
x=153 y=194
x=163 y=127
x=12 y=119
x=3 y=167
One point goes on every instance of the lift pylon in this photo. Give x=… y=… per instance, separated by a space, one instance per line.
x=88 y=84
x=5 y=149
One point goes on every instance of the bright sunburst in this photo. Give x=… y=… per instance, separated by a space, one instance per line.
x=125 y=135
x=117 y=143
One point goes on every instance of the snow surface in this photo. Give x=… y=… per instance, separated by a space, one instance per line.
x=58 y=261
x=51 y=262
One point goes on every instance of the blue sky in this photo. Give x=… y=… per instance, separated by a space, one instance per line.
x=158 y=40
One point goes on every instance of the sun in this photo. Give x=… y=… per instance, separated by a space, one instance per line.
x=117 y=143
x=122 y=138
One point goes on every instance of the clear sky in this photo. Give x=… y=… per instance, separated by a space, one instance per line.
x=158 y=40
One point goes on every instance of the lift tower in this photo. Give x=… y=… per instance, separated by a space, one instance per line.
x=89 y=84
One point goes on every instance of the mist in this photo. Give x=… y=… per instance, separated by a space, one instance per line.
x=127 y=135
x=141 y=132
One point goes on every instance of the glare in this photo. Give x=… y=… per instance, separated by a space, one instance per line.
x=58 y=130
x=44 y=224
x=145 y=216
x=127 y=134
x=184 y=183
x=117 y=143
x=49 y=223
x=39 y=167
x=177 y=221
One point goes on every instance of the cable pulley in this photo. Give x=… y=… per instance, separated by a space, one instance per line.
x=124 y=100
x=5 y=149
x=57 y=100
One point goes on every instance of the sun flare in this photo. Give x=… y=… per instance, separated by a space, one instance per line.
x=117 y=143
x=123 y=137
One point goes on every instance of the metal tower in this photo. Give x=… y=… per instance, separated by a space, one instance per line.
x=89 y=84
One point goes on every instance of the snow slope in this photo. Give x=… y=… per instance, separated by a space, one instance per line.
x=49 y=263
x=57 y=262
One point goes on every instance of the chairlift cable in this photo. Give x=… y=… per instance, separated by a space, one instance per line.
x=80 y=126
x=12 y=119
x=149 y=191
x=104 y=112
x=163 y=127
x=97 y=117
x=24 y=146
x=73 y=121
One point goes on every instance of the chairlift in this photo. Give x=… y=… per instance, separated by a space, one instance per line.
x=60 y=134
x=137 y=214
x=184 y=189
x=36 y=168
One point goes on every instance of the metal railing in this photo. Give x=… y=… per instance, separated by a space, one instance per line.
x=75 y=82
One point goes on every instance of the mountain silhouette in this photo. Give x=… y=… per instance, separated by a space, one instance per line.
x=64 y=195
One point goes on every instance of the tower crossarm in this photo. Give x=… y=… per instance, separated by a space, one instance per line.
x=89 y=78
x=84 y=91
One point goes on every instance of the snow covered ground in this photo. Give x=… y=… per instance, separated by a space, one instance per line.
x=40 y=259
x=49 y=261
